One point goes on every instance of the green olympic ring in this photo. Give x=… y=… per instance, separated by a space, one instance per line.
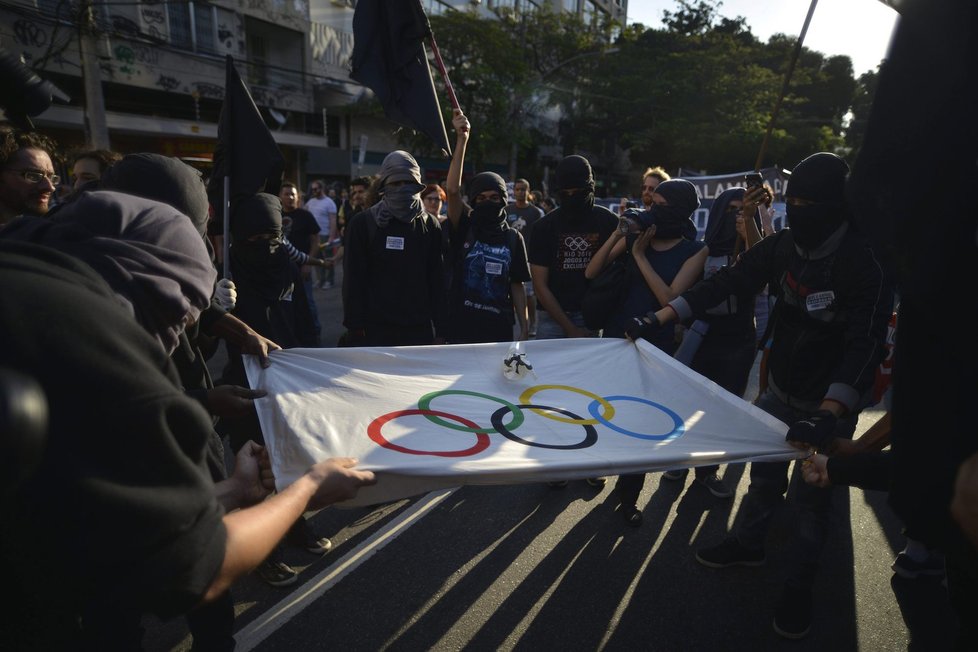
x=424 y=403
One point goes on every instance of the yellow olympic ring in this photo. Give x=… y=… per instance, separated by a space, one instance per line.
x=609 y=409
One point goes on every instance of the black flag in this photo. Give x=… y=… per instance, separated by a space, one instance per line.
x=389 y=58
x=246 y=151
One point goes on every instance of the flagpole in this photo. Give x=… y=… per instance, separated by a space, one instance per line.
x=784 y=86
x=227 y=227
x=444 y=73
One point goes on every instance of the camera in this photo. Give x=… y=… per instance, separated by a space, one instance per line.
x=753 y=180
x=630 y=222
x=632 y=204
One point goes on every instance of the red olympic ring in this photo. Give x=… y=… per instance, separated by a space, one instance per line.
x=373 y=431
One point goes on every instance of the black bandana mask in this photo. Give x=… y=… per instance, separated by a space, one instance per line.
x=258 y=253
x=488 y=214
x=575 y=206
x=813 y=224
x=670 y=221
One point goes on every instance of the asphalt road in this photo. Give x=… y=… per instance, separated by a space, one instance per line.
x=534 y=568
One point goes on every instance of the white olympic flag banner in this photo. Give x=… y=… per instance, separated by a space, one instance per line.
x=430 y=417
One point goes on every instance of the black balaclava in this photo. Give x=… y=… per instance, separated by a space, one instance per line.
x=574 y=172
x=721 y=226
x=820 y=178
x=150 y=255
x=164 y=179
x=675 y=220
x=488 y=217
x=259 y=266
x=402 y=203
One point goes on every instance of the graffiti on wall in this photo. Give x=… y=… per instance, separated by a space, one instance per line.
x=330 y=47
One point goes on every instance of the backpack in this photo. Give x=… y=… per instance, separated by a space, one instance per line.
x=605 y=293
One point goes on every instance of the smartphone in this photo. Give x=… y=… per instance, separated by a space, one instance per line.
x=753 y=179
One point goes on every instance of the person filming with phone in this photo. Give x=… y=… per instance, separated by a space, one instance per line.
x=664 y=262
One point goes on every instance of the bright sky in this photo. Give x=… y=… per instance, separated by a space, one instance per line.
x=859 y=28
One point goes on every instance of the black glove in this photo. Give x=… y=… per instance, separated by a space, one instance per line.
x=818 y=430
x=642 y=327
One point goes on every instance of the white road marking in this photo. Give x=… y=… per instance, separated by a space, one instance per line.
x=290 y=606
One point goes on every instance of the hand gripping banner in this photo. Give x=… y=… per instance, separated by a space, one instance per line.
x=430 y=417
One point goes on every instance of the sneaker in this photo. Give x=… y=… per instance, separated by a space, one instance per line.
x=277 y=573
x=910 y=569
x=730 y=553
x=597 y=482
x=676 y=474
x=301 y=536
x=715 y=485
x=318 y=546
x=557 y=484
x=632 y=516
x=793 y=617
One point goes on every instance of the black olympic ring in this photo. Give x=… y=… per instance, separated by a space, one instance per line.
x=591 y=435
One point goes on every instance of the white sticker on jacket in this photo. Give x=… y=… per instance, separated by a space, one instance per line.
x=494 y=269
x=819 y=300
x=395 y=242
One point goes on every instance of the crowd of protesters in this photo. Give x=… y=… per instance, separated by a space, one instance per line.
x=124 y=262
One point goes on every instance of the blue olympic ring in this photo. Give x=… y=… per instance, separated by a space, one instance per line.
x=678 y=426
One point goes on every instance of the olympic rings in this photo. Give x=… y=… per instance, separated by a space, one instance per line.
x=594 y=408
x=425 y=404
x=373 y=431
x=609 y=410
x=590 y=436
x=678 y=426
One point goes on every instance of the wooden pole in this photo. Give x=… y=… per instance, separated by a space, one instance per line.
x=784 y=87
x=444 y=73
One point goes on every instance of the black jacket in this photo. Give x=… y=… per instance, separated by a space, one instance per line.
x=829 y=321
x=393 y=276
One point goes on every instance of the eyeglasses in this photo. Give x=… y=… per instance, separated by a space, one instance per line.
x=732 y=209
x=36 y=176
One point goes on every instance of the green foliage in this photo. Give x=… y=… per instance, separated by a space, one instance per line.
x=698 y=93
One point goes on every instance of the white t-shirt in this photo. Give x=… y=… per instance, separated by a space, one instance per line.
x=324 y=210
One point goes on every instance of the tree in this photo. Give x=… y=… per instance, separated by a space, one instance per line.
x=697 y=93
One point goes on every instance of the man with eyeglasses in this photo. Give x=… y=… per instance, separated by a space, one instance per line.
x=27 y=178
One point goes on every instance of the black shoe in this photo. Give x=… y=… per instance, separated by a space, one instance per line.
x=730 y=553
x=793 y=617
x=597 y=482
x=675 y=474
x=633 y=517
x=277 y=573
x=557 y=484
x=300 y=535
x=908 y=568
x=715 y=485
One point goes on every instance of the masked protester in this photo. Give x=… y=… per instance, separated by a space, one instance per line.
x=827 y=339
x=393 y=276
x=721 y=345
x=562 y=244
x=662 y=263
x=487 y=257
x=95 y=300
